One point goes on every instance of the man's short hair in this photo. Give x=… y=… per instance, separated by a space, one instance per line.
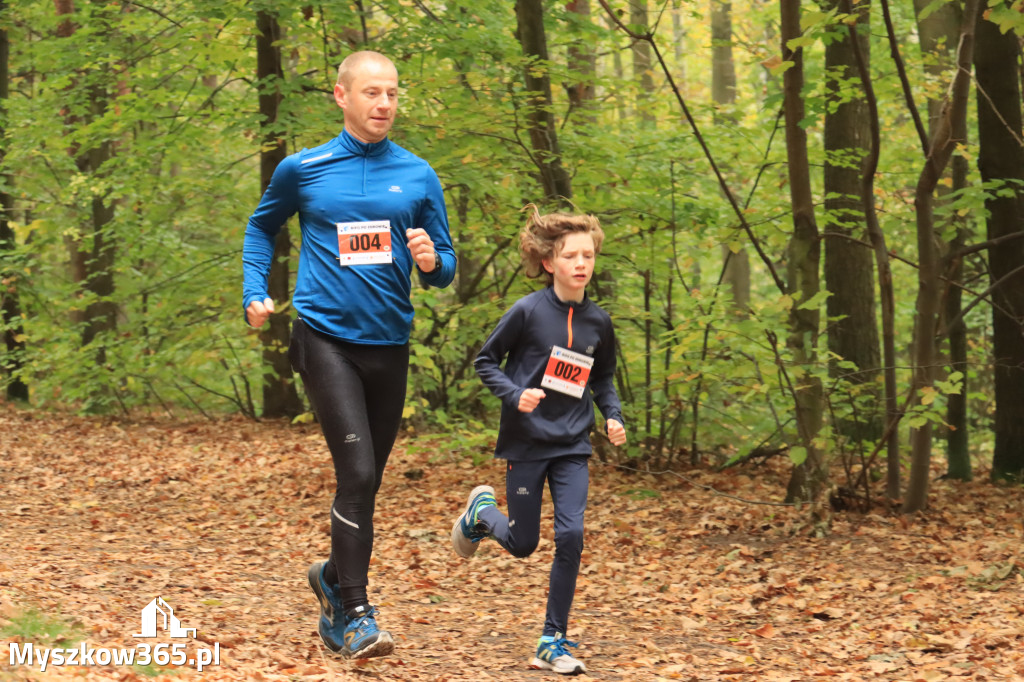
x=349 y=64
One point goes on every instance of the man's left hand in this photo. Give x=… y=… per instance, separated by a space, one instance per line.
x=422 y=248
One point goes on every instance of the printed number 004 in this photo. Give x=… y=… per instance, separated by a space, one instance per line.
x=364 y=242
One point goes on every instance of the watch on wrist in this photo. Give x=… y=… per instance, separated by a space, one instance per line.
x=437 y=261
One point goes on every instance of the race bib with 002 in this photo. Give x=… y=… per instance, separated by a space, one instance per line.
x=567 y=372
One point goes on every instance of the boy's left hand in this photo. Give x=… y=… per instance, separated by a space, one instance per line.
x=616 y=432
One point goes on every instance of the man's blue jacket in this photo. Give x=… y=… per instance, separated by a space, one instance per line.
x=346 y=181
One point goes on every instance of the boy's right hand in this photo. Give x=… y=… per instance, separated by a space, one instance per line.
x=529 y=399
x=616 y=432
x=258 y=312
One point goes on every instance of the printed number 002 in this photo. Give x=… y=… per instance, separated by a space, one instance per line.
x=566 y=371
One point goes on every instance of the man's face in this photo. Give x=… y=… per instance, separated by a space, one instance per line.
x=370 y=101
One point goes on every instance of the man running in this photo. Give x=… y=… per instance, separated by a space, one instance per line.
x=369 y=212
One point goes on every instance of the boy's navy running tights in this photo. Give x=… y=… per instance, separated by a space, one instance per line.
x=568 y=478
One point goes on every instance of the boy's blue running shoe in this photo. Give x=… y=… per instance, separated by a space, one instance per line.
x=363 y=639
x=552 y=655
x=467 y=533
x=332 y=615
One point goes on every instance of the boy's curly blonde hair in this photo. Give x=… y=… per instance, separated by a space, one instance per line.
x=543 y=235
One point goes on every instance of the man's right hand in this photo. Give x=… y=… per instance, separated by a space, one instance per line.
x=258 y=312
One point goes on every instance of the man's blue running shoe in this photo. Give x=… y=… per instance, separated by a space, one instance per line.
x=466 y=533
x=332 y=615
x=552 y=655
x=363 y=639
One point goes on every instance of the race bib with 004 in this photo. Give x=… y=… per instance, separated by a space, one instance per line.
x=364 y=243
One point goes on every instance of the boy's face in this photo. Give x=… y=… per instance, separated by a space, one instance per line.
x=572 y=266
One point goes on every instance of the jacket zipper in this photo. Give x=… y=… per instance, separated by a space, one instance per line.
x=569 y=325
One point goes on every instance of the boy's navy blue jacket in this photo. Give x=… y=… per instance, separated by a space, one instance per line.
x=561 y=424
x=346 y=181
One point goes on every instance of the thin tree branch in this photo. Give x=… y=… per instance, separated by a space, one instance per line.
x=156 y=12
x=982 y=297
x=649 y=37
x=901 y=69
x=426 y=11
x=995 y=110
x=985 y=245
x=959 y=285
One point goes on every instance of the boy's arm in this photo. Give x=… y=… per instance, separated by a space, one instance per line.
x=492 y=354
x=602 y=380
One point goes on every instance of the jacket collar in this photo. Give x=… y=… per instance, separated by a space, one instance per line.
x=550 y=291
x=363 y=148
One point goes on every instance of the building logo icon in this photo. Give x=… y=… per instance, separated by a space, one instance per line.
x=170 y=623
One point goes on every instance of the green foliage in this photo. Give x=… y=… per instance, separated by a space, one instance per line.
x=153 y=670
x=121 y=78
x=467 y=438
x=643 y=494
x=30 y=625
x=1007 y=15
x=170 y=87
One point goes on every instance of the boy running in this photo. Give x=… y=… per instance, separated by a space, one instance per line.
x=559 y=353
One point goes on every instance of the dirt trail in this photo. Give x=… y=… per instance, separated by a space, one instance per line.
x=221 y=520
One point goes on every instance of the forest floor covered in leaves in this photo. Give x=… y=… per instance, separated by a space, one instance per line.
x=686 y=576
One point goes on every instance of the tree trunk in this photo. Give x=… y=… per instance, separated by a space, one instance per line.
x=678 y=38
x=849 y=267
x=642 y=63
x=997 y=58
x=16 y=389
x=618 y=71
x=923 y=351
x=723 y=70
x=869 y=168
x=280 y=397
x=808 y=478
x=958 y=456
x=736 y=263
x=938 y=33
x=92 y=254
x=101 y=313
x=76 y=256
x=582 y=63
x=540 y=118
